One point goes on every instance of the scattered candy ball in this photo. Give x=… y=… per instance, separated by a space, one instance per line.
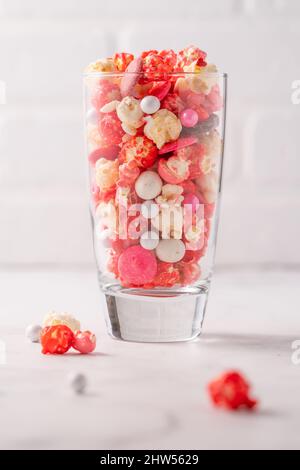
x=137 y=266
x=77 y=382
x=149 y=240
x=56 y=339
x=33 y=333
x=148 y=185
x=231 y=391
x=188 y=118
x=170 y=251
x=150 y=104
x=84 y=342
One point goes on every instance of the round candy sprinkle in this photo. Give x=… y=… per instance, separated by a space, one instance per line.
x=33 y=333
x=77 y=382
x=149 y=209
x=149 y=240
x=148 y=185
x=170 y=251
x=188 y=117
x=137 y=266
x=150 y=104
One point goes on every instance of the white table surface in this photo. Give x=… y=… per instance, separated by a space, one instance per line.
x=151 y=396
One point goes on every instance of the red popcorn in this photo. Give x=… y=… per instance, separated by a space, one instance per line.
x=194 y=155
x=129 y=172
x=84 y=342
x=231 y=391
x=110 y=153
x=110 y=129
x=167 y=275
x=190 y=55
x=156 y=64
x=173 y=103
x=140 y=149
x=56 y=339
x=160 y=89
x=105 y=93
x=122 y=60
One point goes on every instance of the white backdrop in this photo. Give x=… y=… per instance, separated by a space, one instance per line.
x=43 y=48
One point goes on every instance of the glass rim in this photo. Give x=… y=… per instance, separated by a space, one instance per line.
x=158 y=74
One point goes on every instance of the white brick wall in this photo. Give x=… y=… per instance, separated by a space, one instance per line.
x=43 y=48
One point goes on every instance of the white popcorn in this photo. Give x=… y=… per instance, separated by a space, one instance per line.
x=129 y=112
x=54 y=318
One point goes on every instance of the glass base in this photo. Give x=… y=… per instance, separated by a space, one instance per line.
x=155 y=316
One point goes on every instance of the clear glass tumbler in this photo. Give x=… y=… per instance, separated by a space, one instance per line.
x=155 y=152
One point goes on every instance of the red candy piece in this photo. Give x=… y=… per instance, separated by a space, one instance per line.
x=231 y=391
x=105 y=92
x=122 y=60
x=178 y=144
x=140 y=149
x=173 y=103
x=131 y=76
x=110 y=153
x=56 y=339
x=84 y=342
x=167 y=275
x=110 y=129
x=160 y=89
x=137 y=266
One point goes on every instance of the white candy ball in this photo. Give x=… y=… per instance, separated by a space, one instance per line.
x=148 y=185
x=149 y=240
x=77 y=382
x=150 y=104
x=92 y=116
x=170 y=251
x=149 y=209
x=33 y=333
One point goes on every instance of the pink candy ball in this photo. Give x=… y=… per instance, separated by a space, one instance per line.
x=188 y=117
